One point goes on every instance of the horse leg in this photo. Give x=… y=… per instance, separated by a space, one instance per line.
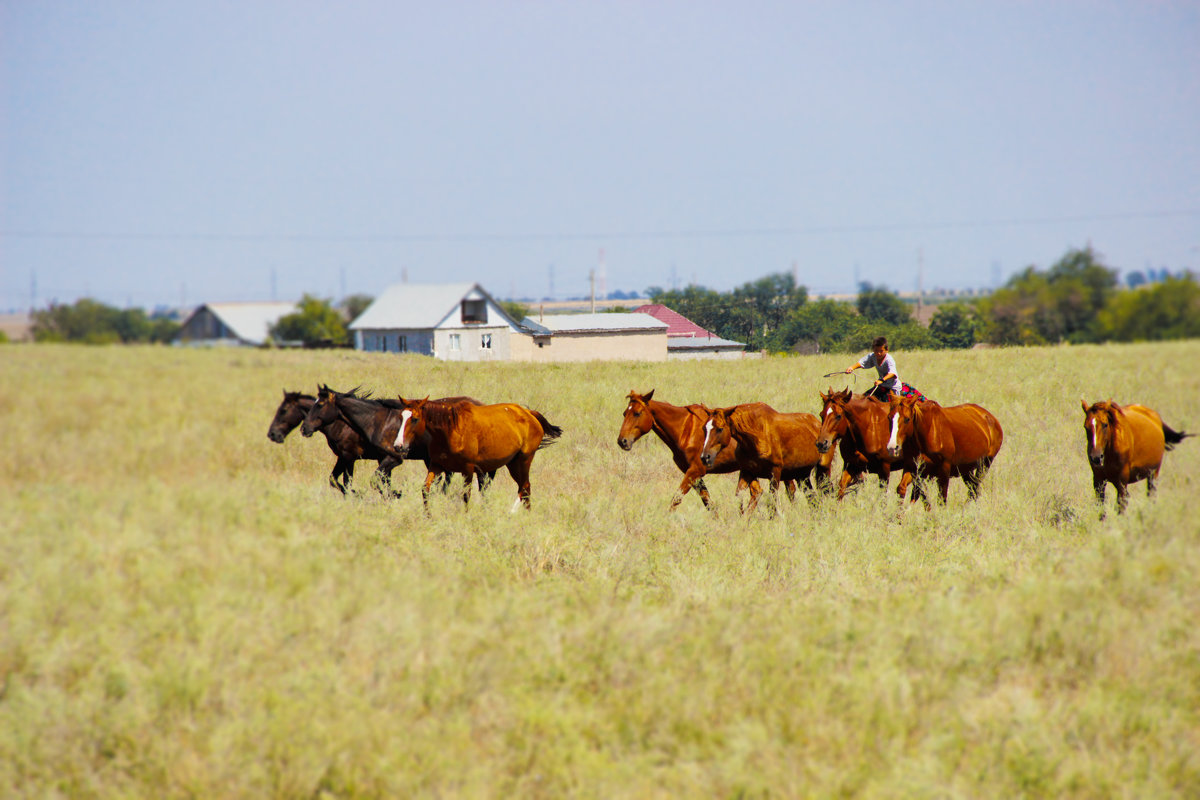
x=690 y=478
x=468 y=478
x=848 y=480
x=1151 y=483
x=1122 y=497
x=384 y=471
x=519 y=470
x=429 y=478
x=1099 y=485
x=340 y=477
x=789 y=486
x=755 y=493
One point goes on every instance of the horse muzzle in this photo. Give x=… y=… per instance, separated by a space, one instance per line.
x=1096 y=460
x=306 y=431
x=624 y=443
x=822 y=446
x=275 y=436
x=707 y=459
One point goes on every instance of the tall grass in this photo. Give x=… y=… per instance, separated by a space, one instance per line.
x=188 y=610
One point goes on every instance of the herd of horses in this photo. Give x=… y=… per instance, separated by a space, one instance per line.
x=927 y=443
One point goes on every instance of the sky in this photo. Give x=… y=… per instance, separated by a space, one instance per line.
x=169 y=154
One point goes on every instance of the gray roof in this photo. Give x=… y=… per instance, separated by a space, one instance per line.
x=249 y=321
x=417 y=305
x=703 y=343
x=593 y=323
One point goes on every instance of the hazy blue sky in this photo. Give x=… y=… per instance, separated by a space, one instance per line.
x=171 y=152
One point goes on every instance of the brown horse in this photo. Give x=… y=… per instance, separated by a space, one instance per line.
x=767 y=444
x=956 y=441
x=470 y=439
x=859 y=426
x=1125 y=445
x=681 y=429
x=346 y=445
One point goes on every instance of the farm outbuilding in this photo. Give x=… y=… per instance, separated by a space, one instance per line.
x=687 y=340
x=592 y=337
x=235 y=324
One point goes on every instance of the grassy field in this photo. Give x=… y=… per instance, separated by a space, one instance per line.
x=188 y=610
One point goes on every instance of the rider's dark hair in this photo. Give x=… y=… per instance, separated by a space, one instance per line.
x=880 y=341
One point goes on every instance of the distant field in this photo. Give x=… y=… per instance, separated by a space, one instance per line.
x=188 y=610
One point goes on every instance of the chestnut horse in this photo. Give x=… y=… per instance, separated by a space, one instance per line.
x=681 y=429
x=859 y=426
x=346 y=445
x=767 y=444
x=1125 y=445
x=955 y=441
x=470 y=439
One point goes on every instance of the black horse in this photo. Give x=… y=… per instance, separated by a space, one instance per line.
x=343 y=440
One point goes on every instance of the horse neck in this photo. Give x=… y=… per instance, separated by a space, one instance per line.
x=868 y=425
x=361 y=415
x=670 y=423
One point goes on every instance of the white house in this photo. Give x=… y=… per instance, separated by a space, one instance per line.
x=450 y=321
x=244 y=324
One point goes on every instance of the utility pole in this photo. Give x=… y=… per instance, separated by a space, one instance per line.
x=592 y=280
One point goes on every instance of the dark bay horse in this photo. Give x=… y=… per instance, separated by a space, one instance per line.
x=374 y=421
x=681 y=429
x=952 y=441
x=1125 y=445
x=472 y=439
x=767 y=444
x=346 y=445
x=859 y=426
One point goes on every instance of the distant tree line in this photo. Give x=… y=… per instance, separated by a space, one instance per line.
x=92 y=322
x=1077 y=300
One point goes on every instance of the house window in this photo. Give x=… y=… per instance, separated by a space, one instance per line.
x=455 y=342
x=485 y=341
x=474 y=311
x=401 y=344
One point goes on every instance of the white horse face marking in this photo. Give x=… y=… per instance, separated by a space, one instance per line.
x=405 y=416
x=895 y=430
x=708 y=429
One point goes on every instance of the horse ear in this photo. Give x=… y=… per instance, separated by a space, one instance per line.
x=1084 y=404
x=648 y=395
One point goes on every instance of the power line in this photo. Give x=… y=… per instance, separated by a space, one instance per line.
x=685 y=233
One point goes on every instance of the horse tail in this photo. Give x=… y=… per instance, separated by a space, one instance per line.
x=1174 y=437
x=550 y=432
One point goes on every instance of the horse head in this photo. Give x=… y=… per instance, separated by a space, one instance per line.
x=290 y=413
x=834 y=422
x=324 y=411
x=412 y=424
x=717 y=435
x=1099 y=422
x=638 y=419
x=902 y=413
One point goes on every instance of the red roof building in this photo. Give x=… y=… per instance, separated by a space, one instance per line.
x=677 y=324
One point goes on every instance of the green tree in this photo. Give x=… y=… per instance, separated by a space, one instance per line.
x=1166 y=310
x=831 y=324
x=877 y=304
x=517 y=311
x=91 y=322
x=1061 y=304
x=316 y=322
x=353 y=305
x=954 y=325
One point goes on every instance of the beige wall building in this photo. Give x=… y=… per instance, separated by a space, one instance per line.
x=591 y=337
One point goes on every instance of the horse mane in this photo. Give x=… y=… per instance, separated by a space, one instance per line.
x=440 y=414
x=297 y=395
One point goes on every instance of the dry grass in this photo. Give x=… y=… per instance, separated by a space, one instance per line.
x=187 y=609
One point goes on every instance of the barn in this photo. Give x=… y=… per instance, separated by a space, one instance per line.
x=233 y=324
